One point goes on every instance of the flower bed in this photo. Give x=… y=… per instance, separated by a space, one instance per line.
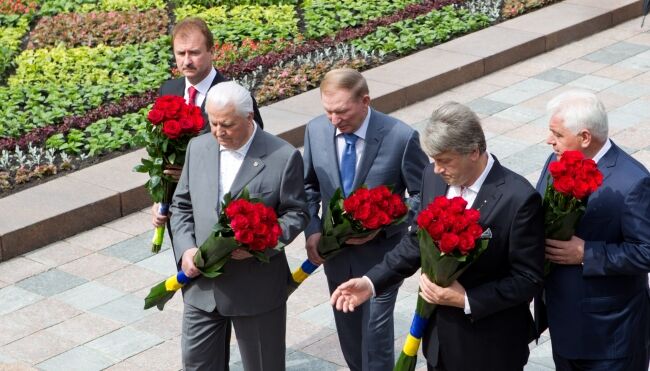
x=85 y=79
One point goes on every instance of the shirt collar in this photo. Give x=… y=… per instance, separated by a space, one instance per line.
x=602 y=151
x=362 y=130
x=481 y=179
x=204 y=85
x=243 y=150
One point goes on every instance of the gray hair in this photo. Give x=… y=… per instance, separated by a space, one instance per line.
x=453 y=127
x=580 y=109
x=229 y=92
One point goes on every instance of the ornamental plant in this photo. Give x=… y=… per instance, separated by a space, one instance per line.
x=244 y=223
x=360 y=215
x=450 y=239
x=173 y=124
x=574 y=178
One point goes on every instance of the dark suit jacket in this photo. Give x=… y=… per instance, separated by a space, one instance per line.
x=272 y=171
x=177 y=87
x=392 y=156
x=602 y=310
x=499 y=285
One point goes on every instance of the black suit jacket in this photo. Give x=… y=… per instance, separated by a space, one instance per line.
x=500 y=284
x=177 y=87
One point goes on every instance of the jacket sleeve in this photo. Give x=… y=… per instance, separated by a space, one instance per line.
x=182 y=219
x=312 y=188
x=292 y=209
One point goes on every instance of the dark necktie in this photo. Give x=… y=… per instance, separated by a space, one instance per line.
x=192 y=96
x=349 y=163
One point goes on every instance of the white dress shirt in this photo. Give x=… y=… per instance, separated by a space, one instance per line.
x=602 y=151
x=469 y=194
x=201 y=88
x=359 y=145
x=230 y=162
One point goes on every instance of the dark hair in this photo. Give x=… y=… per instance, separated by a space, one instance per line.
x=193 y=24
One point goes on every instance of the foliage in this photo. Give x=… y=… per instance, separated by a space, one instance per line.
x=491 y=8
x=411 y=34
x=91 y=29
x=12 y=11
x=228 y=53
x=513 y=8
x=245 y=21
x=10 y=43
x=230 y=3
x=53 y=83
x=52 y=7
x=326 y=17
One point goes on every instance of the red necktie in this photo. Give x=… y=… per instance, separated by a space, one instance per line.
x=192 y=92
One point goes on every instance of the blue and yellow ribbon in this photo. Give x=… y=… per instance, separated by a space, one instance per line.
x=408 y=358
x=159 y=232
x=162 y=292
x=300 y=274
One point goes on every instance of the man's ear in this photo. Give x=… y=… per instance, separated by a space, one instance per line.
x=366 y=99
x=585 y=138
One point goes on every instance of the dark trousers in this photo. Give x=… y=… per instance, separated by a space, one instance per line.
x=637 y=362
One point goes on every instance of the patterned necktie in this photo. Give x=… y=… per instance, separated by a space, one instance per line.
x=349 y=163
x=192 y=95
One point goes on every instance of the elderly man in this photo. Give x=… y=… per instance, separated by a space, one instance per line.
x=236 y=154
x=597 y=295
x=352 y=145
x=482 y=321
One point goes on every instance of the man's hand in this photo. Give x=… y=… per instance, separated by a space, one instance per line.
x=351 y=294
x=569 y=252
x=157 y=219
x=362 y=240
x=240 y=254
x=173 y=171
x=187 y=263
x=312 y=249
x=453 y=296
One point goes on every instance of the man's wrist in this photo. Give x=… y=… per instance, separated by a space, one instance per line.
x=372 y=286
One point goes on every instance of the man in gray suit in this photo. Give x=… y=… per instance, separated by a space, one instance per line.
x=251 y=294
x=352 y=145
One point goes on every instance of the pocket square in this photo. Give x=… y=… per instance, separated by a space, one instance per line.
x=487 y=234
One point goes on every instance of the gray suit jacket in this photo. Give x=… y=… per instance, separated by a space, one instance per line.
x=272 y=170
x=392 y=156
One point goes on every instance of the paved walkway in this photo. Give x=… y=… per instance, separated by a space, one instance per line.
x=77 y=304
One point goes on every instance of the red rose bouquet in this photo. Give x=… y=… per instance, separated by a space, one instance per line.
x=450 y=241
x=565 y=198
x=173 y=124
x=243 y=224
x=360 y=215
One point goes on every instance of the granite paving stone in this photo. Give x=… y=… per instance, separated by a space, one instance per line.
x=522 y=91
x=638 y=107
x=487 y=106
x=38 y=347
x=3 y=284
x=161 y=263
x=81 y=358
x=320 y=315
x=14 y=297
x=527 y=160
x=630 y=89
x=20 y=268
x=164 y=324
x=134 y=224
x=503 y=147
x=162 y=357
x=126 y=309
x=583 y=66
x=618 y=72
x=529 y=134
x=42 y=314
x=89 y=295
x=593 y=83
x=50 y=282
x=615 y=53
x=520 y=114
x=11 y=331
x=327 y=349
x=98 y=238
x=303 y=333
x=84 y=328
x=133 y=250
x=558 y=75
x=639 y=62
x=93 y=266
x=57 y=253
x=612 y=100
x=298 y=361
x=131 y=278
x=542 y=355
x=124 y=343
x=636 y=137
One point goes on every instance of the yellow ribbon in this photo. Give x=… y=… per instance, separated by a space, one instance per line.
x=411 y=346
x=299 y=275
x=172 y=284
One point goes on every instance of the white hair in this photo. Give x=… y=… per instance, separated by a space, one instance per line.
x=229 y=92
x=578 y=110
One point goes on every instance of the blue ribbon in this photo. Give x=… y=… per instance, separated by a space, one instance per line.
x=417 y=326
x=308 y=267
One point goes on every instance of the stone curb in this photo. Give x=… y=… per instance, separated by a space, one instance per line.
x=96 y=195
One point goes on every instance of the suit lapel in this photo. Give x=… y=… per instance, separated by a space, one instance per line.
x=374 y=136
x=213 y=159
x=331 y=154
x=252 y=164
x=608 y=162
x=490 y=191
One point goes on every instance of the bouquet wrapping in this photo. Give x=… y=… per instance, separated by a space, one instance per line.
x=172 y=124
x=244 y=223
x=360 y=215
x=450 y=240
x=565 y=198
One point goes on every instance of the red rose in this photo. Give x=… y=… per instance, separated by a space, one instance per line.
x=155 y=116
x=187 y=126
x=440 y=202
x=475 y=231
x=570 y=158
x=239 y=222
x=236 y=207
x=425 y=218
x=557 y=168
x=466 y=243
x=564 y=185
x=172 y=129
x=448 y=243
x=244 y=237
x=457 y=205
x=472 y=215
x=435 y=230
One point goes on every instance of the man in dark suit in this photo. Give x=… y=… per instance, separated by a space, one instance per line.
x=597 y=295
x=384 y=151
x=482 y=321
x=193 y=46
x=236 y=154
